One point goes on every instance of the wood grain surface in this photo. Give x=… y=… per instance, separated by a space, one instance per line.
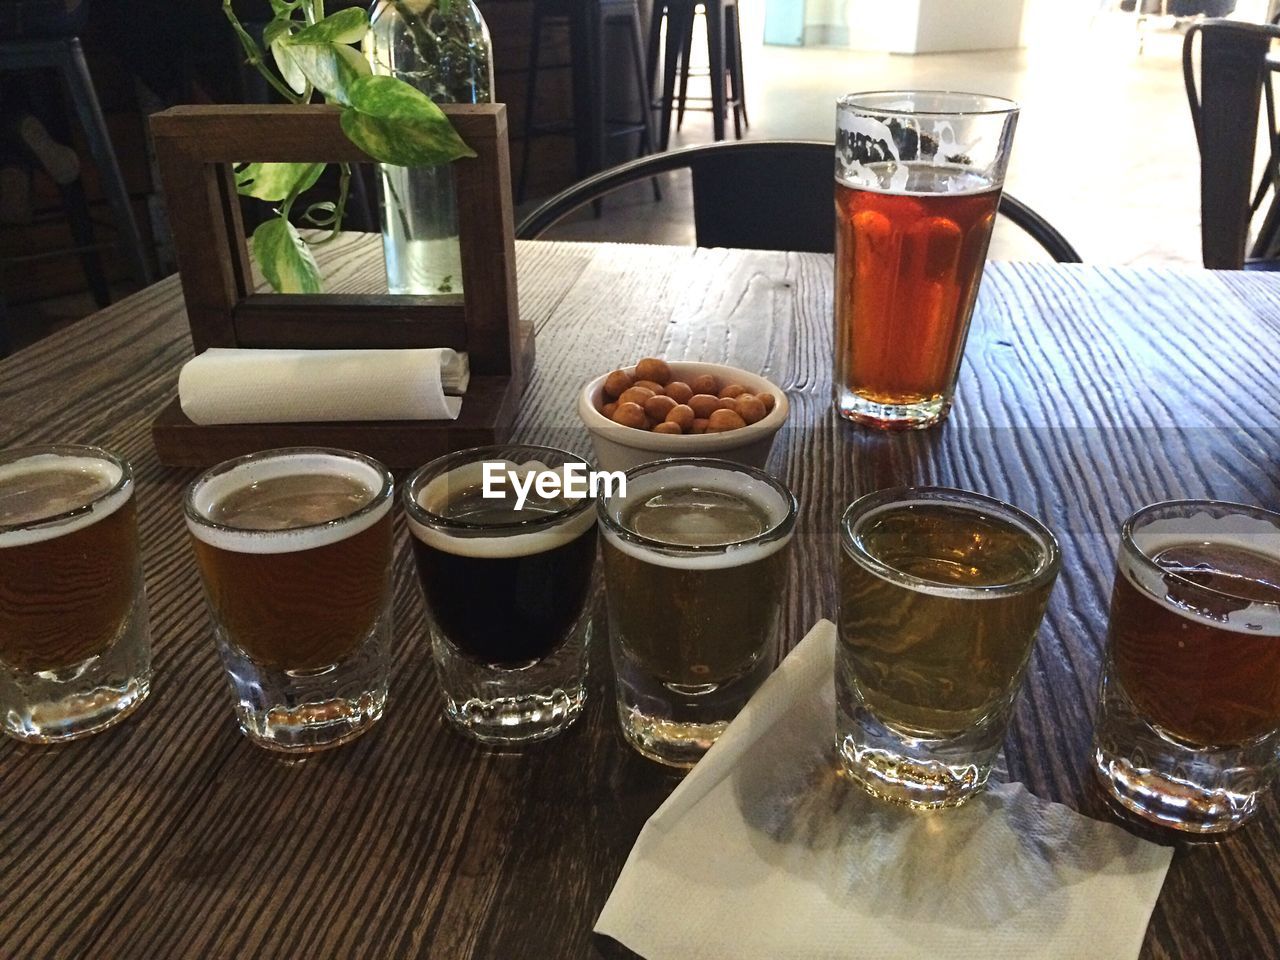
x=1085 y=394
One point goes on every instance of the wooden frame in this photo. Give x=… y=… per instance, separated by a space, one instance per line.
x=195 y=147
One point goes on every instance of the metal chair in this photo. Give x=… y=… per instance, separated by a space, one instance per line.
x=759 y=195
x=1235 y=68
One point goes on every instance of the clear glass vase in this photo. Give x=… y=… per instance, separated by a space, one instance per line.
x=442 y=48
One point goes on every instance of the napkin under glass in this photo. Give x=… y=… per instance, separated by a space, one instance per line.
x=765 y=851
x=228 y=385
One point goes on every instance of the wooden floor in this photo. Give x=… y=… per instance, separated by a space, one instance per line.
x=1104 y=147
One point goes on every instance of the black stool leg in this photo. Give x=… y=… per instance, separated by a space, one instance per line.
x=653 y=49
x=75 y=74
x=648 y=136
x=531 y=80
x=715 y=49
x=686 y=57
x=77 y=207
x=737 y=71
x=679 y=20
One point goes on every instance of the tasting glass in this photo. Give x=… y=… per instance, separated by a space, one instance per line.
x=941 y=595
x=300 y=606
x=507 y=592
x=692 y=624
x=75 y=647
x=1188 y=726
x=918 y=181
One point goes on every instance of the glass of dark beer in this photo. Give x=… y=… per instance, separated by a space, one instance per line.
x=941 y=595
x=695 y=561
x=507 y=582
x=1188 y=728
x=294 y=550
x=918 y=180
x=75 y=651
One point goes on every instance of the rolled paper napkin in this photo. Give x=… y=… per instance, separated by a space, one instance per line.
x=296 y=386
x=765 y=851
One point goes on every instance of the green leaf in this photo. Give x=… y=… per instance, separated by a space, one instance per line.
x=331 y=67
x=345 y=26
x=286 y=261
x=394 y=123
x=276 y=36
x=275 y=181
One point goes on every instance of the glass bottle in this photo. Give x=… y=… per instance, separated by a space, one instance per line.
x=442 y=48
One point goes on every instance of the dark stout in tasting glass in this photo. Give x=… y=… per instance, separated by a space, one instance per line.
x=294 y=550
x=941 y=595
x=507 y=591
x=695 y=559
x=75 y=651
x=1188 y=724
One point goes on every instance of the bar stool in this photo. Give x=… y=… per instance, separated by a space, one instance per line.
x=724 y=56
x=65 y=55
x=587 y=22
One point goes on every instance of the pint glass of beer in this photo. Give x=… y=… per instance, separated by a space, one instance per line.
x=294 y=549
x=918 y=180
x=75 y=652
x=507 y=580
x=695 y=561
x=941 y=595
x=1188 y=727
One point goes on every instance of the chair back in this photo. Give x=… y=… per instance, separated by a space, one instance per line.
x=1224 y=112
x=758 y=195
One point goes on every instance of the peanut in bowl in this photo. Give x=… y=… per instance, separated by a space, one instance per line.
x=621 y=447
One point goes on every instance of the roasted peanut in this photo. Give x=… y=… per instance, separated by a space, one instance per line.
x=679 y=391
x=649 y=385
x=616 y=382
x=636 y=395
x=608 y=408
x=651 y=368
x=659 y=407
x=699 y=425
x=768 y=399
x=705 y=383
x=732 y=390
x=703 y=404
x=666 y=426
x=630 y=415
x=681 y=414
x=724 y=420
x=750 y=408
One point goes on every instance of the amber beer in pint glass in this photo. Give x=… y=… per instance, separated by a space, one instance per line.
x=918 y=179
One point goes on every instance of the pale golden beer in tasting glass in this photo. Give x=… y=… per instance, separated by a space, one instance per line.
x=941 y=594
x=75 y=651
x=294 y=550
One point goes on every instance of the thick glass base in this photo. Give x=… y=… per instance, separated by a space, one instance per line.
x=1176 y=785
x=498 y=704
x=918 y=771
x=676 y=724
x=304 y=711
x=54 y=706
x=891 y=416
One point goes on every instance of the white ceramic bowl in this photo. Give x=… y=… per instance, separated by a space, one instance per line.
x=621 y=448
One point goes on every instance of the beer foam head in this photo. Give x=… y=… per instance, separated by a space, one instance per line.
x=49 y=495
x=1240 y=531
x=778 y=510
x=211 y=489
x=543 y=530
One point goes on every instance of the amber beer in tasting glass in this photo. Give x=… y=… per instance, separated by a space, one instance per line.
x=918 y=180
x=75 y=652
x=1188 y=728
x=695 y=560
x=941 y=594
x=507 y=584
x=294 y=550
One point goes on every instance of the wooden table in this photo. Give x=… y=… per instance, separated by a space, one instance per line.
x=1085 y=394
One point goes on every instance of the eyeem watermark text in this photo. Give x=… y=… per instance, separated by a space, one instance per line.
x=573 y=481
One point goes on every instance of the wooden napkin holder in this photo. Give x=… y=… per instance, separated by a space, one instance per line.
x=195 y=148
